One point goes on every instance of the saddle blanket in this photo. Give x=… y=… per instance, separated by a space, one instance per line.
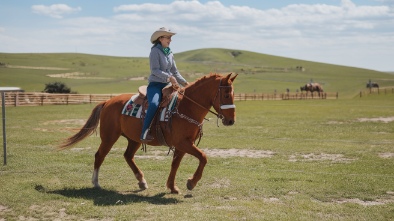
x=135 y=110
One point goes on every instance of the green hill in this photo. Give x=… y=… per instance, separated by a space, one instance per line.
x=258 y=73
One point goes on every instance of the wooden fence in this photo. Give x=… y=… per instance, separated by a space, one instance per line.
x=40 y=99
x=285 y=96
x=385 y=90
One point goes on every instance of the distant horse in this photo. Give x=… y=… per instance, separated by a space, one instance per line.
x=186 y=125
x=312 y=87
x=372 y=85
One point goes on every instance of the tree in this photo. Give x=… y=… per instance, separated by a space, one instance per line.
x=57 y=87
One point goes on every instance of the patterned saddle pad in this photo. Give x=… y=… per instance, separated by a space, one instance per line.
x=133 y=109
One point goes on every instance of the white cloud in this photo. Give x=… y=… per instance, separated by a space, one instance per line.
x=54 y=11
x=306 y=31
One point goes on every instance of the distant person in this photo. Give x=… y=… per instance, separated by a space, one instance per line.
x=163 y=71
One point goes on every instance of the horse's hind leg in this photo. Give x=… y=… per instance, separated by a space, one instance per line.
x=176 y=160
x=99 y=157
x=132 y=148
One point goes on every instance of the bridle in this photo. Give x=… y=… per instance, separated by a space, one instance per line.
x=193 y=121
x=221 y=106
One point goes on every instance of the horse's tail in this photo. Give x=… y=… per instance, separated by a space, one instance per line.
x=87 y=129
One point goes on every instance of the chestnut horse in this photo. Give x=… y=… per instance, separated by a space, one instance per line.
x=186 y=122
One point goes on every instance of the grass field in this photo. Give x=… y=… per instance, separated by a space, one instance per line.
x=282 y=160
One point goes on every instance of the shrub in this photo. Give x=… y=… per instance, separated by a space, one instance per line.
x=57 y=87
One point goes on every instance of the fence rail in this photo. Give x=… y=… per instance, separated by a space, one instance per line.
x=40 y=99
x=285 y=96
x=385 y=90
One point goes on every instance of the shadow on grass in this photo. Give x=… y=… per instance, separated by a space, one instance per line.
x=103 y=197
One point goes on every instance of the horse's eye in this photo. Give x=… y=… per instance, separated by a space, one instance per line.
x=226 y=96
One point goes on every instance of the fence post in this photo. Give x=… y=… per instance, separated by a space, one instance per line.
x=67 y=99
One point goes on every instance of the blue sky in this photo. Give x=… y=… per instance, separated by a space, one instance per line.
x=358 y=33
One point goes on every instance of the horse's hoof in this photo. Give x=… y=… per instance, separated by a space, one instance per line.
x=96 y=186
x=189 y=185
x=143 y=185
x=175 y=191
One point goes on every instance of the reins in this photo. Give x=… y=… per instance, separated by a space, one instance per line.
x=216 y=114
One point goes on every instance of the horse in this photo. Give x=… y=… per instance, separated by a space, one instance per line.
x=372 y=85
x=312 y=87
x=213 y=90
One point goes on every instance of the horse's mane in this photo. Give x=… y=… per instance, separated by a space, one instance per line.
x=203 y=78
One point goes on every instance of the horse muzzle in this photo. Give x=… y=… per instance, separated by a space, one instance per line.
x=228 y=122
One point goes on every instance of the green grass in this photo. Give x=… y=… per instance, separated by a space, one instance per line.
x=258 y=73
x=348 y=179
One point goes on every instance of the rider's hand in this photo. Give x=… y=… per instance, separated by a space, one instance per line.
x=174 y=82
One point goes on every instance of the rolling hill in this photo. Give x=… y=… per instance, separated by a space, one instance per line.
x=258 y=73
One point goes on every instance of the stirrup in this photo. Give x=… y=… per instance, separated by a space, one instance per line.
x=146 y=137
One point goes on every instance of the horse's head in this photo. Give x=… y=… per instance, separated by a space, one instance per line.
x=224 y=100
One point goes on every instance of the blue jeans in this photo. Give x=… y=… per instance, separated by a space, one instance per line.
x=154 y=95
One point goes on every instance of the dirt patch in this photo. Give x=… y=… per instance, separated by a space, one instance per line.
x=37 y=212
x=337 y=158
x=71 y=122
x=222 y=153
x=376 y=202
x=220 y=183
x=335 y=122
x=4 y=210
x=76 y=75
x=386 y=155
x=377 y=119
x=79 y=122
x=37 y=68
x=157 y=155
x=239 y=153
x=137 y=78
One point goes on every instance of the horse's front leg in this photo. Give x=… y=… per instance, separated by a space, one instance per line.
x=176 y=161
x=190 y=148
x=192 y=182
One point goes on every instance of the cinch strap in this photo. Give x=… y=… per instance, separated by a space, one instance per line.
x=227 y=106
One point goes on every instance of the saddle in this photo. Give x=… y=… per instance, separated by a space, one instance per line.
x=161 y=123
x=168 y=93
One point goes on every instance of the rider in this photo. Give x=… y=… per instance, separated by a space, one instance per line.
x=163 y=71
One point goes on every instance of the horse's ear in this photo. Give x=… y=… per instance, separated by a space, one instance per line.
x=232 y=79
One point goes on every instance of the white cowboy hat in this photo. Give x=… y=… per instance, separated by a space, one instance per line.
x=161 y=32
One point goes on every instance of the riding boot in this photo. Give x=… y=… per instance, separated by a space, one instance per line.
x=146 y=137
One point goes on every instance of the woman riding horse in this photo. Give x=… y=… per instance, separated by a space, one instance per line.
x=187 y=118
